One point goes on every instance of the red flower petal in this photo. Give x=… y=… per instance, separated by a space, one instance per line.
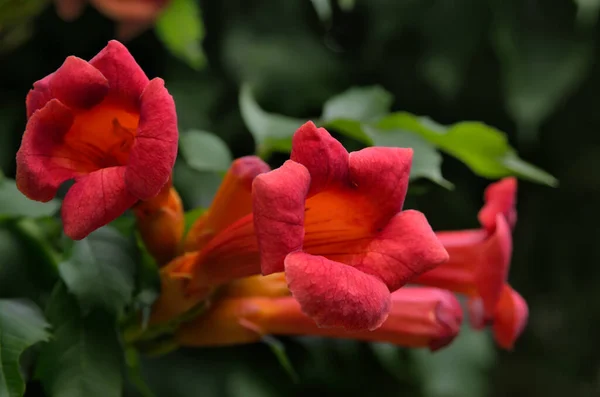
x=155 y=147
x=39 y=95
x=78 y=84
x=278 y=202
x=381 y=174
x=323 y=156
x=511 y=318
x=500 y=198
x=336 y=295
x=40 y=169
x=404 y=249
x=125 y=77
x=492 y=273
x=95 y=200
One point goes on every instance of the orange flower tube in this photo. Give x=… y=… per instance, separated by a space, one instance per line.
x=419 y=317
x=160 y=221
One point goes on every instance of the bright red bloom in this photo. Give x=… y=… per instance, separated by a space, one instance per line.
x=479 y=264
x=419 y=317
x=103 y=124
x=333 y=222
x=480 y=258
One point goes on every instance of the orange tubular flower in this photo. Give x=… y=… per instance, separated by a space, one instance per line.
x=103 y=124
x=206 y=245
x=333 y=222
x=160 y=221
x=132 y=16
x=479 y=264
x=419 y=317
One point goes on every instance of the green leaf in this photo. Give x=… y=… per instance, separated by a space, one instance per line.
x=181 y=29
x=271 y=132
x=14 y=204
x=364 y=104
x=22 y=325
x=84 y=358
x=100 y=270
x=204 y=151
x=196 y=188
x=278 y=349
x=427 y=162
x=134 y=373
x=482 y=148
x=350 y=128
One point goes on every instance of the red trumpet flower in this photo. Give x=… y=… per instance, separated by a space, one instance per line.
x=103 y=124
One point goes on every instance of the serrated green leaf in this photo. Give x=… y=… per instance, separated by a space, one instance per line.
x=204 y=151
x=100 y=270
x=271 y=132
x=181 y=29
x=482 y=148
x=22 y=325
x=14 y=204
x=363 y=104
x=427 y=162
x=84 y=358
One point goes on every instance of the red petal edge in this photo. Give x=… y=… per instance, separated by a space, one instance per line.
x=323 y=156
x=38 y=174
x=78 y=84
x=155 y=147
x=406 y=248
x=337 y=295
x=382 y=174
x=278 y=199
x=492 y=272
x=95 y=200
x=511 y=317
x=500 y=198
x=125 y=77
x=39 y=95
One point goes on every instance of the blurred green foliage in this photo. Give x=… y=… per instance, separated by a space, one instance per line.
x=251 y=72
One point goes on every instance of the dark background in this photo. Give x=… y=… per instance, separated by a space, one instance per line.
x=529 y=68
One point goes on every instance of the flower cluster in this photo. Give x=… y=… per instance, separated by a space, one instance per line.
x=319 y=246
